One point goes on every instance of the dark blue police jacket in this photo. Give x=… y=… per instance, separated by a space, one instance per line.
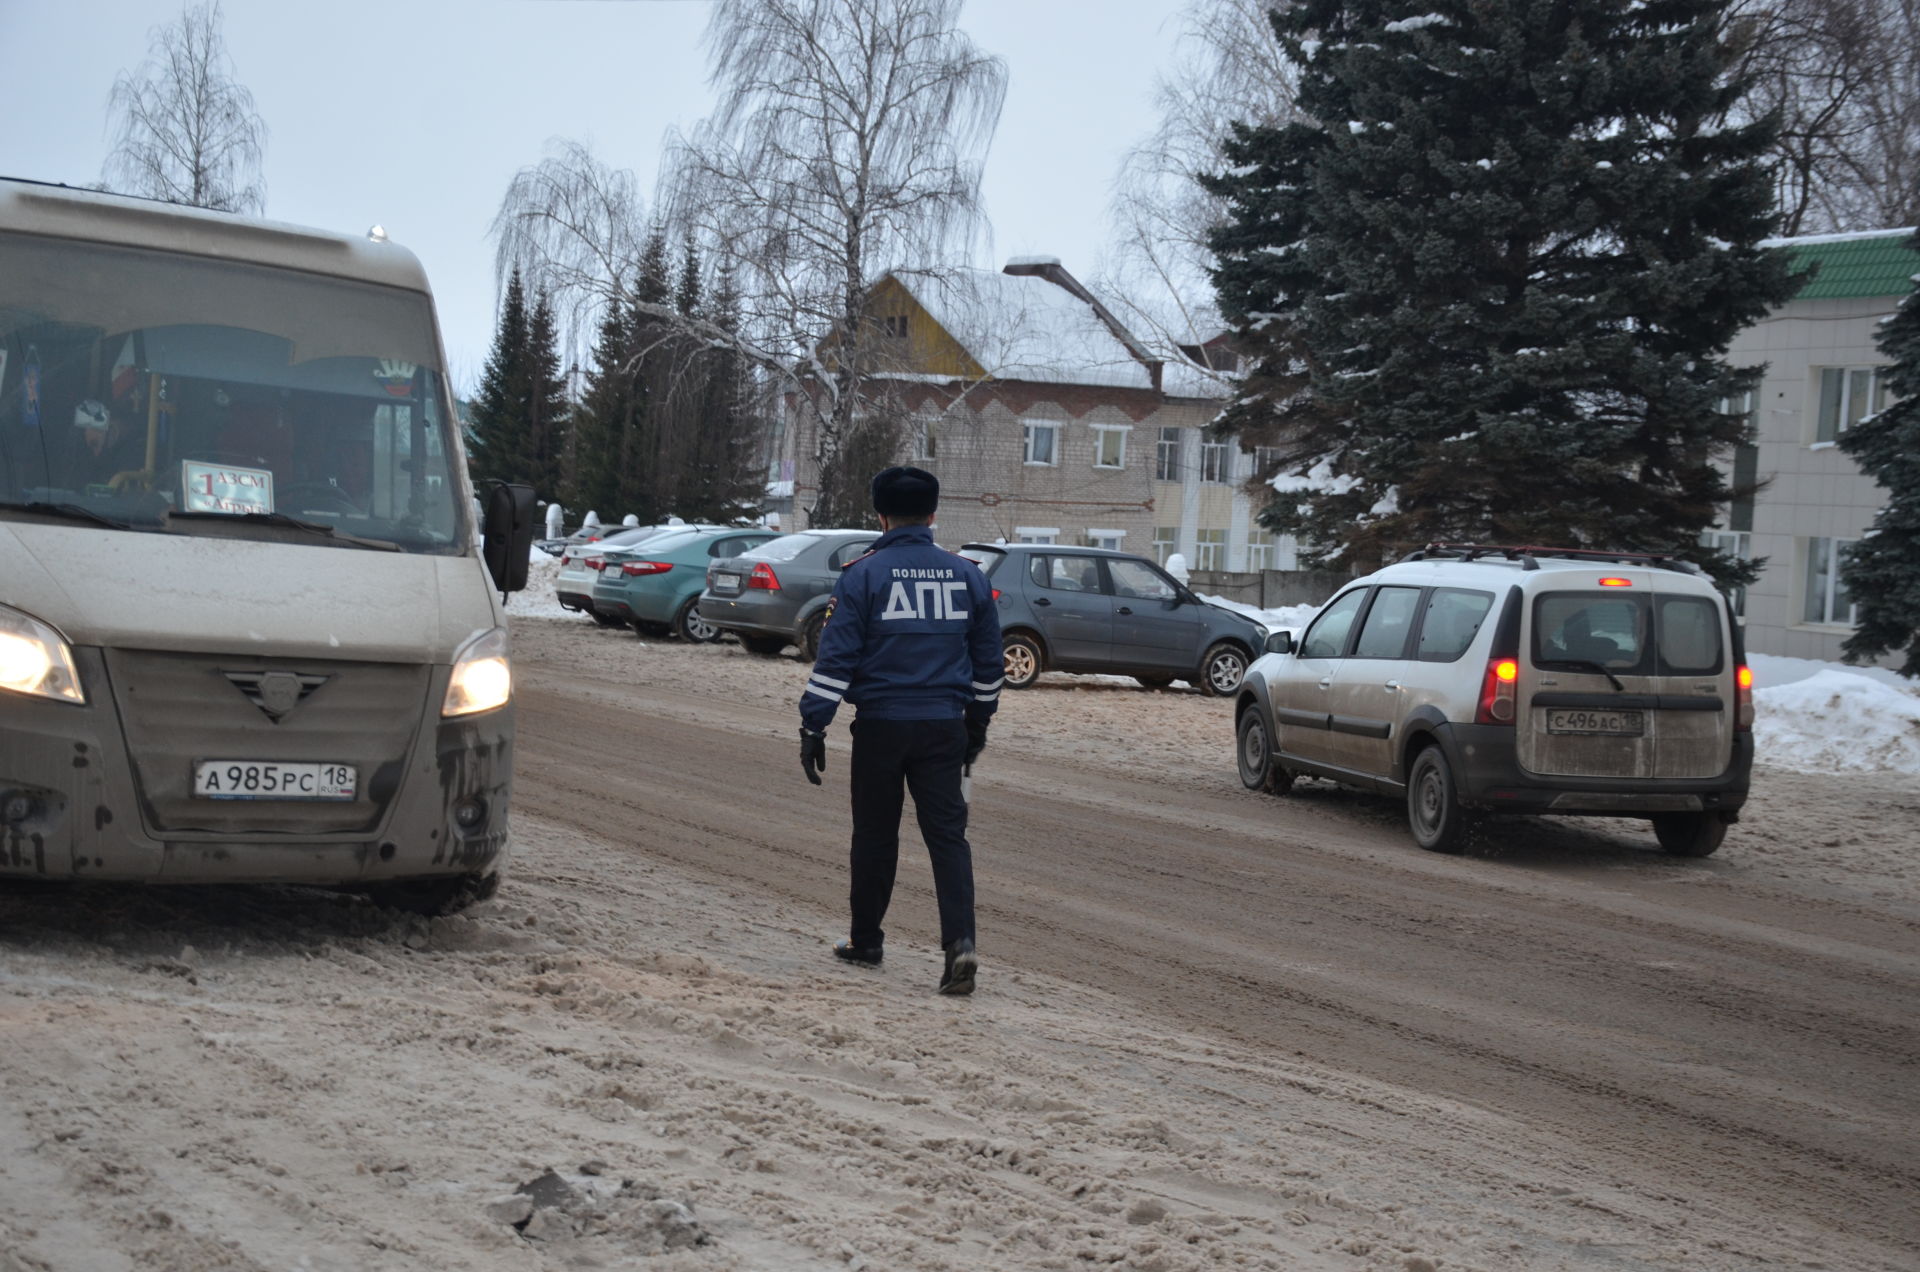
x=912 y=633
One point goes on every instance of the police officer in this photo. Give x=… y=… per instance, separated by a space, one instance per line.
x=912 y=639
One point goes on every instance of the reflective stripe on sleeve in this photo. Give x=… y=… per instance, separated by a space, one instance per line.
x=986 y=697
x=831 y=683
x=828 y=694
x=980 y=688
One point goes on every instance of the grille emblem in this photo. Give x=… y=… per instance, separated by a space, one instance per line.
x=275 y=692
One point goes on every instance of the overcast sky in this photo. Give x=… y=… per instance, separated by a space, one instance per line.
x=414 y=114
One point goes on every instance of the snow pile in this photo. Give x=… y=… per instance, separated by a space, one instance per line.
x=538 y=600
x=1838 y=721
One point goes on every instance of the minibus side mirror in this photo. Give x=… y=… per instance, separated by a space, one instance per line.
x=507 y=533
x=1280 y=643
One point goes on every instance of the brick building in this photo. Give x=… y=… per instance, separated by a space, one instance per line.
x=1047 y=421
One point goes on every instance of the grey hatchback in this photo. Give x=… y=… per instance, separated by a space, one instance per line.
x=776 y=594
x=1096 y=610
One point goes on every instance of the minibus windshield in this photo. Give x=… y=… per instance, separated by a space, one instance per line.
x=178 y=394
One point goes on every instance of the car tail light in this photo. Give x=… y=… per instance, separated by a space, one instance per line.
x=633 y=569
x=594 y=563
x=764 y=577
x=1497 y=692
x=996 y=593
x=1743 y=699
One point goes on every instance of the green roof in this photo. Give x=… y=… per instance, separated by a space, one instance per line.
x=1856 y=265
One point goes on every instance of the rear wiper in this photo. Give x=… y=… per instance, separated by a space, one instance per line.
x=71 y=511
x=1587 y=664
x=283 y=520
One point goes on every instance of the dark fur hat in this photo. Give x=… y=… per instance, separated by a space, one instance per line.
x=906 y=492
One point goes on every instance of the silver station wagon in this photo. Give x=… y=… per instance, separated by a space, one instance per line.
x=1467 y=680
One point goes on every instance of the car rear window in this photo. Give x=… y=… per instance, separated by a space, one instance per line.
x=987 y=560
x=670 y=542
x=1452 y=620
x=785 y=548
x=1628 y=633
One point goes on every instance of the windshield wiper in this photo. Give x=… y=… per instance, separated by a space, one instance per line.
x=290 y=523
x=1587 y=664
x=71 y=511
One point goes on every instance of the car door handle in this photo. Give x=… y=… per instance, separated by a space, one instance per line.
x=1042 y=601
x=1126 y=609
x=1326 y=682
x=1392 y=686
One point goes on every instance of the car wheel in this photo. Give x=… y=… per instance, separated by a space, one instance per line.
x=448 y=895
x=1689 y=834
x=1222 y=670
x=1155 y=682
x=690 y=627
x=1022 y=661
x=810 y=637
x=1434 y=812
x=766 y=646
x=1258 y=772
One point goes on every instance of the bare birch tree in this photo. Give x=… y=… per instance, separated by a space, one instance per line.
x=183 y=130
x=1228 y=66
x=849 y=137
x=1844 y=78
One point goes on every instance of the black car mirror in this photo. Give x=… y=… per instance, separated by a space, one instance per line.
x=507 y=534
x=1280 y=642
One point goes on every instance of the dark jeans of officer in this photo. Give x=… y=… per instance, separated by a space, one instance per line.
x=924 y=757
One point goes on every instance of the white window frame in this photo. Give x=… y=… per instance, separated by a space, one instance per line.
x=1164 y=547
x=1209 y=554
x=1031 y=429
x=1843 y=405
x=1736 y=543
x=1100 y=434
x=1106 y=539
x=1824 y=595
x=1216 y=462
x=1265 y=457
x=1166 y=454
x=1036 y=534
x=1260 y=549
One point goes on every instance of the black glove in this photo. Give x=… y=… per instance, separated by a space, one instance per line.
x=976 y=739
x=813 y=753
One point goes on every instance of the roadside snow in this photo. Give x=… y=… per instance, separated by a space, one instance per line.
x=538 y=600
x=1838 y=722
x=1289 y=618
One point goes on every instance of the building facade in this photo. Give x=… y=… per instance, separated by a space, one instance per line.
x=1823 y=374
x=1047 y=421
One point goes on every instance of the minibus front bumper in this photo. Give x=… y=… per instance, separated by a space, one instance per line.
x=72 y=807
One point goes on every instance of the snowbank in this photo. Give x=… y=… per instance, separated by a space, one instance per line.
x=1288 y=618
x=538 y=600
x=1838 y=721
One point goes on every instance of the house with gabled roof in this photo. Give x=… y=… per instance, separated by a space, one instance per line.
x=1824 y=373
x=1047 y=420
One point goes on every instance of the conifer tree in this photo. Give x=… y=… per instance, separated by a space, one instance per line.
x=546 y=404
x=649 y=358
x=601 y=417
x=1882 y=570
x=498 y=450
x=1488 y=283
x=724 y=480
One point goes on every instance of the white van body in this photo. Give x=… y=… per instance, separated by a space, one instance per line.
x=272 y=649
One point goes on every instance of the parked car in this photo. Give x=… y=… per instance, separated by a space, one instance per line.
x=656 y=584
x=585 y=534
x=1467 y=679
x=1097 y=610
x=776 y=595
x=580 y=565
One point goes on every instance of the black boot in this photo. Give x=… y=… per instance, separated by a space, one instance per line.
x=870 y=955
x=961 y=967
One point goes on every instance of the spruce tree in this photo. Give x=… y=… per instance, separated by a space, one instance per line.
x=1882 y=570
x=600 y=420
x=725 y=476
x=1487 y=287
x=546 y=404
x=499 y=445
x=649 y=357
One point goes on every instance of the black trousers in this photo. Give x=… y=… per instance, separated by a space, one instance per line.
x=922 y=756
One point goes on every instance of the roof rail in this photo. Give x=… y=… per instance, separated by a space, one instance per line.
x=1527 y=554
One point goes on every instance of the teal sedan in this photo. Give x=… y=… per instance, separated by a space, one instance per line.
x=656 y=585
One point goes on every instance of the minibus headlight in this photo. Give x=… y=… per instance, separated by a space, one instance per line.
x=35 y=659
x=482 y=679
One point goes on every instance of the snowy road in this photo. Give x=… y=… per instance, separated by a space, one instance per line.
x=1215 y=1029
